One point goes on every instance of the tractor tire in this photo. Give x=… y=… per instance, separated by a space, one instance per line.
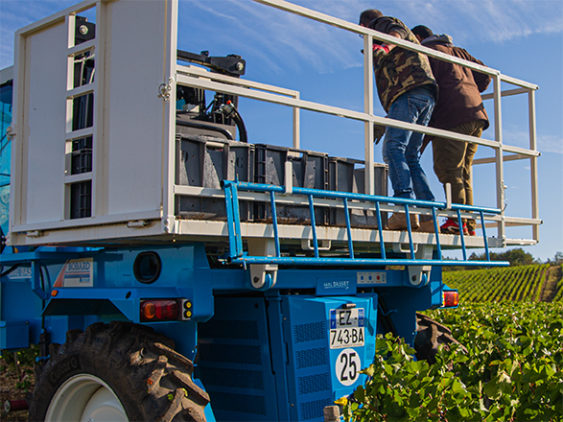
x=430 y=335
x=119 y=371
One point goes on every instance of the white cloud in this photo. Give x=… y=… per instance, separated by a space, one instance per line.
x=550 y=143
x=544 y=142
x=486 y=20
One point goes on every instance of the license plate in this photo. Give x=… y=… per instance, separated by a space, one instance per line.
x=347 y=328
x=346 y=337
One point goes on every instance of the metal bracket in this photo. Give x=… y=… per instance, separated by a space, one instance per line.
x=10 y=133
x=404 y=247
x=324 y=245
x=262 y=276
x=419 y=275
x=165 y=90
x=137 y=223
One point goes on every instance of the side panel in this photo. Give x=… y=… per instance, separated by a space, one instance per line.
x=319 y=369
x=41 y=134
x=270 y=358
x=6 y=88
x=234 y=361
x=135 y=117
x=129 y=130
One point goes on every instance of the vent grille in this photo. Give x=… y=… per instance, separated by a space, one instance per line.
x=236 y=353
x=238 y=378
x=313 y=409
x=244 y=403
x=314 y=383
x=310 y=331
x=223 y=328
x=312 y=357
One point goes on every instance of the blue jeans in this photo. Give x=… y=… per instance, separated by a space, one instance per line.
x=401 y=148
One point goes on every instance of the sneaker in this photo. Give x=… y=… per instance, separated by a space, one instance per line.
x=426 y=226
x=399 y=222
x=452 y=227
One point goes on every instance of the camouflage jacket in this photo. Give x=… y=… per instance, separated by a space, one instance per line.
x=399 y=70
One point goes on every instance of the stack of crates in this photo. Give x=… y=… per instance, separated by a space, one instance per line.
x=204 y=161
x=347 y=175
x=310 y=170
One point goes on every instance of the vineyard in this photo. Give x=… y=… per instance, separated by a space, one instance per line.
x=510 y=322
x=512 y=370
x=526 y=283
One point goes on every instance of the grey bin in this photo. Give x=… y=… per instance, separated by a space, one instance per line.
x=310 y=170
x=346 y=175
x=205 y=161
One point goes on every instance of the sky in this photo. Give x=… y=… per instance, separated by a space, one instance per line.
x=521 y=38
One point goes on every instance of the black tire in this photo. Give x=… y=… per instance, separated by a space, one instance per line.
x=430 y=335
x=151 y=380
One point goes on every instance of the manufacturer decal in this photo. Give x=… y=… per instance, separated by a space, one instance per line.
x=76 y=273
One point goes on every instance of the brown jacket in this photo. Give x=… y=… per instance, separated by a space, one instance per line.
x=459 y=100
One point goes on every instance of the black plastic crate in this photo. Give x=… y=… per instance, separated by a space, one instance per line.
x=81 y=155
x=204 y=161
x=81 y=199
x=310 y=170
x=347 y=175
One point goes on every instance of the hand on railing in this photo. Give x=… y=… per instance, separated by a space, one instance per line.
x=378 y=132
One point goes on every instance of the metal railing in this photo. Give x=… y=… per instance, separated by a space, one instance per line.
x=291 y=98
x=239 y=256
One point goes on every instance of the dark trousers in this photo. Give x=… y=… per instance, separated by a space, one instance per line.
x=453 y=161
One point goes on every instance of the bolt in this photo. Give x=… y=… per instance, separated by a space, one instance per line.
x=83 y=29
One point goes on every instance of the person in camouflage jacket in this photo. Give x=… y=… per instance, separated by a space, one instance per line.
x=408 y=92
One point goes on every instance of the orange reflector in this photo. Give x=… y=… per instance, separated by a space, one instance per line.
x=451 y=298
x=159 y=310
x=54 y=293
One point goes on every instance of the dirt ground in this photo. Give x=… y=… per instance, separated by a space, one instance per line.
x=16 y=381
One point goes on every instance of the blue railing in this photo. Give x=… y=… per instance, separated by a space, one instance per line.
x=238 y=255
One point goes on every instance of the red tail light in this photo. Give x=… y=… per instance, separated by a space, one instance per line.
x=159 y=310
x=450 y=299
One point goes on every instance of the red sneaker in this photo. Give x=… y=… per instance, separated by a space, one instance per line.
x=452 y=227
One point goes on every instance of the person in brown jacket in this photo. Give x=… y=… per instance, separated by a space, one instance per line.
x=460 y=109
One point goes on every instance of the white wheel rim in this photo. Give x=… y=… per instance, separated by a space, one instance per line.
x=85 y=398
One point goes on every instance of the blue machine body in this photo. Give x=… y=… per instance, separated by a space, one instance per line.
x=249 y=346
x=282 y=352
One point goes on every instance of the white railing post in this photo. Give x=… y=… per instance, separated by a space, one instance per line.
x=296 y=124
x=368 y=109
x=533 y=163
x=499 y=158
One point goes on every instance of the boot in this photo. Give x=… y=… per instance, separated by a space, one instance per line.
x=426 y=226
x=399 y=222
x=451 y=226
